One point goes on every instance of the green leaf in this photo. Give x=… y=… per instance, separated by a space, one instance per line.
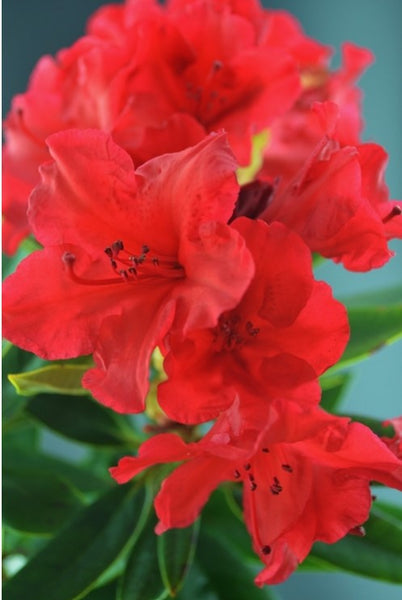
x=176 y=549
x=372 y=327
x=74 y=560
x=73 y=475
x=229 y=576
x=377 y=555
x=36 y=503
x=141 y=579
x=104 y=592
x=55 y=378
x=333 y=389
x=220 y=516
x=96 y=424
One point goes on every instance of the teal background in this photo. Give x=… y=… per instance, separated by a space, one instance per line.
x=32 y=28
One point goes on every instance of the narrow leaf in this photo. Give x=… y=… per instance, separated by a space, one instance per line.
x=75 y=559
x=96 y=424
x=377 y=555
x=176 y=549
x=372 y=327
x=141 y=579
x=73 y=475
x=333 y=389
x=56 y=378
x=229 y=576
x=35 y=503
x=104 y=592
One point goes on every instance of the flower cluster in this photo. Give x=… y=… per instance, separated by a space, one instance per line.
x=150 y=243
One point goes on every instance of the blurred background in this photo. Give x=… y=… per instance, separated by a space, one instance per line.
x=31 y=29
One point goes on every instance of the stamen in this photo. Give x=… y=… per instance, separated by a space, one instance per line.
x=276 y=487
x=247 y=467
x=266 y=549
x=266 y=450
x=237 y=474
x=395 y=212
x=287 y=468
x=69 y=259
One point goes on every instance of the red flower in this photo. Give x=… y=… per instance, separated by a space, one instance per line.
x=294 y=135
x=158 y=79
x=338 y=201
x=305 y=478
x=171 y=262
x=285 y=332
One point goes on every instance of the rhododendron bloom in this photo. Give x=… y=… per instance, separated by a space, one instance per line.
x=305 y=478
x=294 y=135
x=285 y=332
x=158 y=79
x=338 y=201
x=129 y=256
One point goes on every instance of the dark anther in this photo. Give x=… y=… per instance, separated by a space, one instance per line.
x=145 y=249
x=395 y=212
x=109 y=252
x=251 y=330
x=124 y=274
x=117 y=246
x=287 y=468
x=68 y=258
x=251 y=477
x=132 y=271
x=237 y=474
x=114 y=264
x=266 y=549
x=247 y=467
x=266 y=450
x=253 y=486
x=276 y=487
x=155 y=261
x=373 y=498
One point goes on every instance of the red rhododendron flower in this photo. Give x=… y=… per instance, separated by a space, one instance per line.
x=294 y=135
x=171 y=262
x=158 y=79
x=285 y=332
x=338 y=201
x=305 y=478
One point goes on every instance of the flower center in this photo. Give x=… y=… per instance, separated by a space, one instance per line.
x=232 y=331
x=245 y=472
x=129 y=267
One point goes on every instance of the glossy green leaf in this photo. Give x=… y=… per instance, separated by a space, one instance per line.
x=55 y=378
x=228 y=574
x=176 y=549
x=36 y=503
x=104 y=592
x=372 y=327
x=333 y=389
x=222 y=515
x=73 y=475
x=142 y=579
x=377 y=555
x=73 y=561
x=83 y=419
